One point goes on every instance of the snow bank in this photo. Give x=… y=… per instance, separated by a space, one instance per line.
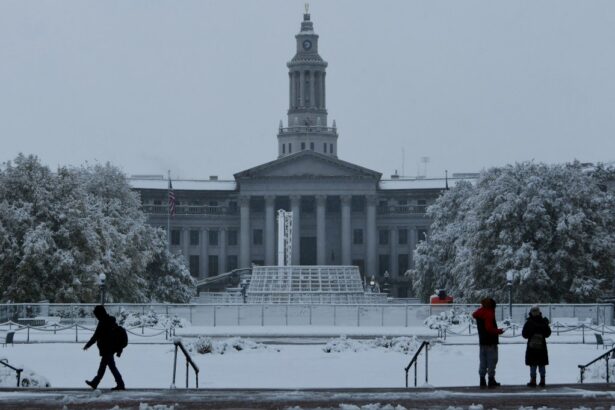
x=205 y=345
x=396 y=344
x=150 y=319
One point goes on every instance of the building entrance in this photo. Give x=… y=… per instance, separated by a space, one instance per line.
x=308 y=251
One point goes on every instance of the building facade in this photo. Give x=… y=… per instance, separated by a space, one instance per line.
x=343 y=214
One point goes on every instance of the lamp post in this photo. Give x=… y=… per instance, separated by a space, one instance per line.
x=101 y=280
x=509 y=279
x=385 y=284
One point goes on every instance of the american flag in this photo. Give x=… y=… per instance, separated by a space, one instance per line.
x=171 y=199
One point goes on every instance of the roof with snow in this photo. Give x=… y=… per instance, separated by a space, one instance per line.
x=183 y=184
x=420 y=183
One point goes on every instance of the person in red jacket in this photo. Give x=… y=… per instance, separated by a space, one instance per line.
x=488 y=333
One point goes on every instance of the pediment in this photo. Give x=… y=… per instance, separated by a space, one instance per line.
x=308 y=164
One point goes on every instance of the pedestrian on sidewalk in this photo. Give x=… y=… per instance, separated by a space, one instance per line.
x=105 y=338
x=488 y=339
x=536 y=330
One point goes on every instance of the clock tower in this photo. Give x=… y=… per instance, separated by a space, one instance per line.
x=307 y=126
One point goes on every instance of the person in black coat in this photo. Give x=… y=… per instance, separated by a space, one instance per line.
x=104 y=337
x=536 y=330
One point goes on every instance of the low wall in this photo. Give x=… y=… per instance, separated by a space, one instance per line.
x=307 y=315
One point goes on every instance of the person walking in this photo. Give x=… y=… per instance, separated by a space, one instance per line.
x=104 y=337
x=536 y=330
x=488 y=339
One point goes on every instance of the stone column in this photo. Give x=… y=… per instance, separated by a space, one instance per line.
x=270 y=230
x=302 y=88
x=290 y=90
x=295 y=207
x=346 y=201
x=371 y=233
x=204 y=253
x=244 y=240
x=312 y=77
x=322 y=96
x=222 y=253
x=393 y=246
x=321 y=240
x=412 y=233
x=185 y=241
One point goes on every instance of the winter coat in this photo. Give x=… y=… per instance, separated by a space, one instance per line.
x=104 y=336
x=487 y=326
x=536 y=325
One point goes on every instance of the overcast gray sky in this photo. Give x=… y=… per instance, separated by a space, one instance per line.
x=198 y=87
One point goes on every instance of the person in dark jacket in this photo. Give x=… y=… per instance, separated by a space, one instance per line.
x=536 y=330
x=488 y=340
x=104 y=338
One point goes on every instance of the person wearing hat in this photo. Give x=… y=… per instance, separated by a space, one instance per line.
x=105 y=340
x=536 y=330
x=488 y=339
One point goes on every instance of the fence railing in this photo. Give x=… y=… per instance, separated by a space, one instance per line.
x=606 y=356
x=414 y=361
x=189 y=362
x=18 y=371
x=278 y=314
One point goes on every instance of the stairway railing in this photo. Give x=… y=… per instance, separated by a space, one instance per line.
x=414 y=362
x=5 y=362
x=189 y=362
x=606 y=356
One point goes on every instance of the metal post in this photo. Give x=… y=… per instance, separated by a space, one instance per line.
x=426 y=363
x=583 y=332
x=186 y=372
x=174 y=366
x=215 y=308
x=358 y=316
x=334 y=315
x=607 y=368
x=415 y=372
x=28 y=338
x=510 y=300
x=76 y=334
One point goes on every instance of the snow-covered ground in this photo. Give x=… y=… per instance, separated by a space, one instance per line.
x=356 y=364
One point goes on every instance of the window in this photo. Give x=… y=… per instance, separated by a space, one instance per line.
x=421 y=234
x=194 y=238
x=383 y=237
x=157 y=202
x=402 y=263
x=213 y=265
x=231 y=262
x=257 y=237
x=357 y=236
x=213 y=237
x=312 y=146
x=357 y=204
x=302 y=146
x=283 y=148
x=384 y=264
x=324 y=147
x=402 y=236
x=232 y=237
x=175 y=234
x=194 y=265
x=331 y=148
x=290 y=148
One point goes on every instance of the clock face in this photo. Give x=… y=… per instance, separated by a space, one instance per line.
x=307 y=44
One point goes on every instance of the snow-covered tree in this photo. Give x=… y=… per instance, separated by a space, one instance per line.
x=550 y=226
x=59 y=231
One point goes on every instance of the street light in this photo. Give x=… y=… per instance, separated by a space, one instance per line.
x=101 y=280
x=509 y=279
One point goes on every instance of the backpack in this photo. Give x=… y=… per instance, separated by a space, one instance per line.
x=537 y=341
x=120 y=339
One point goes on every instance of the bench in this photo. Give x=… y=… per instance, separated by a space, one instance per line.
x=9 y=338
x=604 y=341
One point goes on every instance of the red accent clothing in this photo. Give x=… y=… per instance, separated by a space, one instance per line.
x=487 y=326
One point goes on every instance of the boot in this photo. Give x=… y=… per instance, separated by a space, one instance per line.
x=542 y=381
x=92 y=384
x=483 y=383
x=532 y=382
x=492 y=384
x=119 y=387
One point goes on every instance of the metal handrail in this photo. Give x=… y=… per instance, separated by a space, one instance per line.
x=414 y=361
x=178 y=344
x=604 y=356
x=18 y=371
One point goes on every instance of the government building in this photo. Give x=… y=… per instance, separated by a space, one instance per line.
x=343 y=213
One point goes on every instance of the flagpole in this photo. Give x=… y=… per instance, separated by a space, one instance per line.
x=169 y=218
